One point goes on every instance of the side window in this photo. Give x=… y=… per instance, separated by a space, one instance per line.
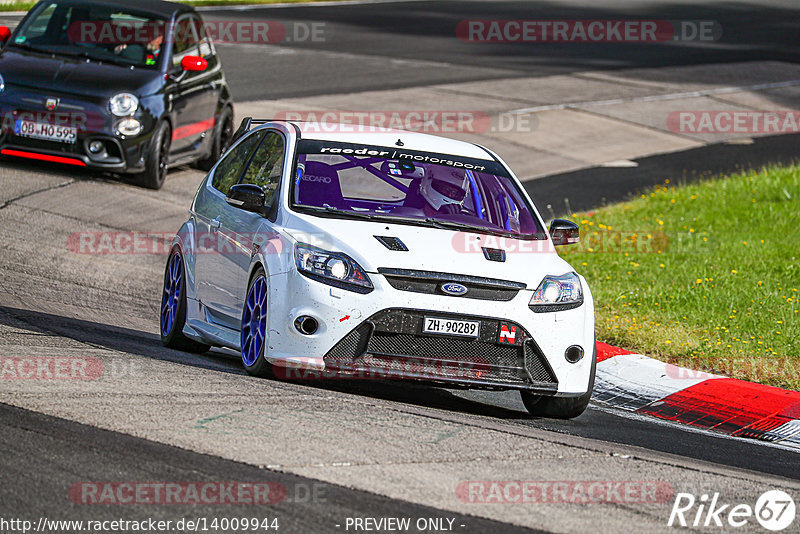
x=230 y=168
x=190 y=39
x=267 y=166
x=185 y=39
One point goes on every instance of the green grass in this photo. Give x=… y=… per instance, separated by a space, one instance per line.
x=26 y=5
x=705 y=275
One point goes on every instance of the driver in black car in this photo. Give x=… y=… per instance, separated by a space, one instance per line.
x=148 y=53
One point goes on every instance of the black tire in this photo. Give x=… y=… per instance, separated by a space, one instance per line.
x=260 y=367
x=157 y=159
x=222 y=139
x=560 y=407
x=174 y=338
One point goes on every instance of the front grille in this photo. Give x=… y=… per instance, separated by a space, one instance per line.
x=430 y=283
x=391 y=343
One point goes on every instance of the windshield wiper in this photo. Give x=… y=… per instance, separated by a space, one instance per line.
x=477 y=228
x=28 y=46
x=336 y=211
x=93 y=57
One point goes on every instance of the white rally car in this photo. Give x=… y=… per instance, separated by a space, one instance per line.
x=380 y=254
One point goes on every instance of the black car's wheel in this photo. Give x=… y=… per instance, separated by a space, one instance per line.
x=157 y=160
x=173 y=307
x=560 y=407
x=222 y=138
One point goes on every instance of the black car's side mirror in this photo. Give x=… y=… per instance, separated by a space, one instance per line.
x=564 y=232
x=5 y=35
x=247 y=197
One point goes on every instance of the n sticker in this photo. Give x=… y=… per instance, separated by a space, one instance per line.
x=508 y=334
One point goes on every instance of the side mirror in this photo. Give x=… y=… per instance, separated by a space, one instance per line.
x=564 y=232
x=194 y=64
x=5 y=34
x=248 y=197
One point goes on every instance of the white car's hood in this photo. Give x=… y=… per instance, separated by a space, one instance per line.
x=429 y=249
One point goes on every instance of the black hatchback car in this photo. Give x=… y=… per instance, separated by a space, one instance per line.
x=121 y=86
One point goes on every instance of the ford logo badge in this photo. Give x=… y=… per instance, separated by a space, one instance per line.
x=452 y=288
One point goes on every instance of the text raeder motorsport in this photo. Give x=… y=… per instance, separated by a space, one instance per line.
x=398 y=155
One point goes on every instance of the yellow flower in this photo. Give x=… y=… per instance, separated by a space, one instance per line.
x=698 y=281
x=734 y=271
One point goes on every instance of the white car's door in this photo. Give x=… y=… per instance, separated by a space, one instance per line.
x=245 y=230
x=220 y=256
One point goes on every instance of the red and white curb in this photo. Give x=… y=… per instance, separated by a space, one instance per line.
x=646 y=386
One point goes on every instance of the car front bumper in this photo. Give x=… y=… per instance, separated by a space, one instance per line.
x=120 y=154
x=379 y=335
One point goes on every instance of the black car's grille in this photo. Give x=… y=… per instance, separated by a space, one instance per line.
x=430 y=283
x=391 y=343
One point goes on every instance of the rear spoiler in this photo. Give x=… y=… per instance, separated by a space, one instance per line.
x=247 y=124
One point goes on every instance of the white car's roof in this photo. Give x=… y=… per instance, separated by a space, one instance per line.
x=365 y=135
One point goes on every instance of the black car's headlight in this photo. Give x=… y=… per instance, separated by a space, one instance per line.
x=123 y=104
x=557 y=293
x=332 y=268
x=129 y=127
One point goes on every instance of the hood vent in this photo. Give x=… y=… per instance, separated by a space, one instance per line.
x=392 y=243
x=494 y=254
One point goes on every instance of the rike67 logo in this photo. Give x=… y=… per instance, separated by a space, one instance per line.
x=774 y=510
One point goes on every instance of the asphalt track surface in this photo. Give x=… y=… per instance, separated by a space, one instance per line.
x=55 y=302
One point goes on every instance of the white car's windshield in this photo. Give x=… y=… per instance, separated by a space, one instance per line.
x=415 y=187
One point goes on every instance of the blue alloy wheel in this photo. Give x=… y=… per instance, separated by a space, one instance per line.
x=173 y=307
x=171 y=299
x=254 y=322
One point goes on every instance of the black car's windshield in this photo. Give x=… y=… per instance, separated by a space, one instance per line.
x=411 y=187
x=95 y=31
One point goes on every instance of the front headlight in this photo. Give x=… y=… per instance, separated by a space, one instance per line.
x=123 y=104
x=557 y=293
x=129 y=127
x=2 y=84
x=332 y=268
